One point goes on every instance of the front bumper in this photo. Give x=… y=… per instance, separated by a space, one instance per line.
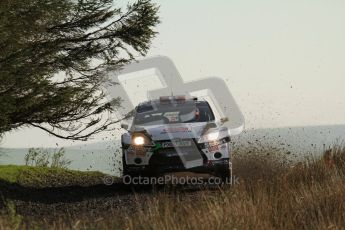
x=209 y=167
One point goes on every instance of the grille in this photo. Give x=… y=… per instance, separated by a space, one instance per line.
x=169 y=156
x=164 y=157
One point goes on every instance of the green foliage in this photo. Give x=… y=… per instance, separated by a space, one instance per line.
x=9 y=173
x=41 y=177
x=54 y=58
x=58 y=160
x=43 y=158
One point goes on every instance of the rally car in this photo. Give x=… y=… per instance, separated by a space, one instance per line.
x=176 y=134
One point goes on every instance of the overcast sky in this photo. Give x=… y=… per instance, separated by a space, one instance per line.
x=284 y=61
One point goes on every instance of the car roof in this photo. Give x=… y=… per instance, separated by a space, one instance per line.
x=142 y=107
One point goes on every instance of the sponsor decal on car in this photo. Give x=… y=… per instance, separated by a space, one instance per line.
x=176 y=130
x=176 y=143
x=213 y=148
x=216 y=143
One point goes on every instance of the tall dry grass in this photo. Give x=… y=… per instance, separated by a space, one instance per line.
x=272 y=194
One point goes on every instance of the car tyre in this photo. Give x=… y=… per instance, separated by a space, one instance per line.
x=225 y=173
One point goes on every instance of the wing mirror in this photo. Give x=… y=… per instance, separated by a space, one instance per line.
x=224 y=120
x=124 y=126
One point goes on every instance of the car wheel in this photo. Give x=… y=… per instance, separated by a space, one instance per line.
x=124 y=165
x=225 y=173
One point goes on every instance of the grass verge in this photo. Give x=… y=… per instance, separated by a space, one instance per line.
x=43 y=177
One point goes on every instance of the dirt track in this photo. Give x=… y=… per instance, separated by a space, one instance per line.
x=73 y=200
x=49 y=203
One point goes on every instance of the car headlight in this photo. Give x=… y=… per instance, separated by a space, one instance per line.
x=139 y=140
x=212 y=136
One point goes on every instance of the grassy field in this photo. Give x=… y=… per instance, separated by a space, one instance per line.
x=43 y=177
x=271 y=194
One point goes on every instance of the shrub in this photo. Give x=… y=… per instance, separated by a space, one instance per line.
x=44 y=158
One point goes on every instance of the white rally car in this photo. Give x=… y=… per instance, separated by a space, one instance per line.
x=175 y=134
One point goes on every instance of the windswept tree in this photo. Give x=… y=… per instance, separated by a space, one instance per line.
x=54 y=56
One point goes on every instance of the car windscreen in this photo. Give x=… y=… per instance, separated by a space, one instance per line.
x=156 y=114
